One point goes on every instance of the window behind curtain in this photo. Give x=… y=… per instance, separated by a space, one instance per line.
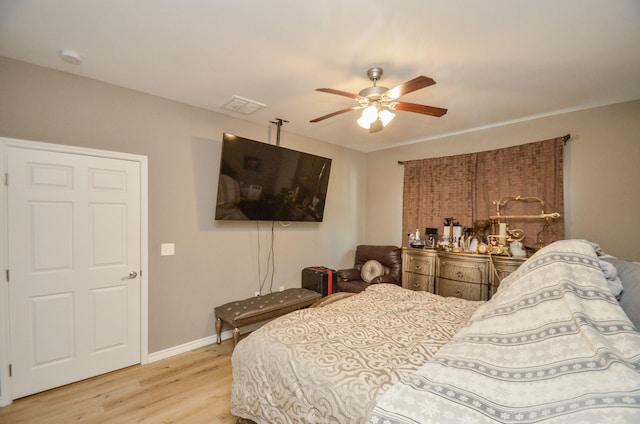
x=465 y=186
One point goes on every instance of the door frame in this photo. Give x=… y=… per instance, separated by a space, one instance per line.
x=6 y=143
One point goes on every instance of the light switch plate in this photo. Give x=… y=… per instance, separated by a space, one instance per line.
x=167 y=249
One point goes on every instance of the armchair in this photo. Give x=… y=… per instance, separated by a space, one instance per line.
x=388 y=268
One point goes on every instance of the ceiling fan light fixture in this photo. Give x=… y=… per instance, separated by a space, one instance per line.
x=386 y=117
x=364 y=123
x=370 y=113
x=374 y=113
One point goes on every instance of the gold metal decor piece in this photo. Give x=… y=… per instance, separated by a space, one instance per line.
x=501 y=235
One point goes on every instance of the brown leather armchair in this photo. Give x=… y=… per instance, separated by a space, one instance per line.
x=390 y=257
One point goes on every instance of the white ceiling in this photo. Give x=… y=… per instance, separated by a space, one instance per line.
x=494 y=61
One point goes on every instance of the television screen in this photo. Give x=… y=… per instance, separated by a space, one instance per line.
x=264 y=182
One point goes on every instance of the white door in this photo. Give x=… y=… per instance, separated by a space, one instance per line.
x=74 y=264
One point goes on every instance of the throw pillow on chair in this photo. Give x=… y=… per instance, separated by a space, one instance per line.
x=370 y=270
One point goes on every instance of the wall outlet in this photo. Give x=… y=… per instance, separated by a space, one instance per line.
x=257 y=293
x=167 y=249
x=281 y=288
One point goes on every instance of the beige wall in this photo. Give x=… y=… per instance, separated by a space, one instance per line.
x=218 y=262
x=214 y=262
x=602 y=174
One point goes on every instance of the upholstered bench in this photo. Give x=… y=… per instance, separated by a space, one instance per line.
x=260 y=308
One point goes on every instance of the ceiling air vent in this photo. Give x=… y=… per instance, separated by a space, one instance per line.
x=242 y=105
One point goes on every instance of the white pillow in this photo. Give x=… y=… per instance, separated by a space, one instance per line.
x=611 y=275
x=370 y=270
x=629 y=274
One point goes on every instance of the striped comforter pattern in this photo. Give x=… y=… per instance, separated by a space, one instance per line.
x=552 y=345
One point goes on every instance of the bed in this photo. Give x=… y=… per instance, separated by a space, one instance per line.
x=552 y=345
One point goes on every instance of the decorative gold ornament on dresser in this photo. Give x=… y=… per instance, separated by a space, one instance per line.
x=465 y=275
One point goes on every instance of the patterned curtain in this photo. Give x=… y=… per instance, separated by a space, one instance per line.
x=435 y=189
x=465 y=187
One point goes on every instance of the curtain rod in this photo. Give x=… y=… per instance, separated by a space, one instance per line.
x=565 y=138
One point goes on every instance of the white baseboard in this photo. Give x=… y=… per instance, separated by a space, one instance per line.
x=225 y=335
x=176 y=350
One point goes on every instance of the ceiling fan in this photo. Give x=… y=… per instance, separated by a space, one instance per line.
x=378 y=101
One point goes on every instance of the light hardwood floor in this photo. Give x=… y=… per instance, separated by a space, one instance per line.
x=193 y=387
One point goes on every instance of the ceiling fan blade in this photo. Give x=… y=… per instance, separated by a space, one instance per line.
x=338 y=112
x=409 y=86
x=423 y=109
x=340 y=93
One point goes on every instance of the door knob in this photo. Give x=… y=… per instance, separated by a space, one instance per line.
x=132 y=275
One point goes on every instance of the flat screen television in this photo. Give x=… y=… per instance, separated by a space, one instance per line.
x=265 y=182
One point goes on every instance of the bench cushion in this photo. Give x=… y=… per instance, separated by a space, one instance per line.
x=259 y=308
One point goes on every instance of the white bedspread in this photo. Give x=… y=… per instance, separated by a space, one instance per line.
x=331 y=364
x=553 y=345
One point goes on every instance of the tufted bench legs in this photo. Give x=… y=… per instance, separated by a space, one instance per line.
x=261 y=308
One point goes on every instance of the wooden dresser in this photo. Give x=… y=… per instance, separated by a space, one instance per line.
x=419 y=269
x=502 y=267
x=465 y=275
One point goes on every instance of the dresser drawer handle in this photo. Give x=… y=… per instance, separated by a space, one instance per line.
x=416 y=285
x=418 y=267
x=459 y=274
x=458 y=294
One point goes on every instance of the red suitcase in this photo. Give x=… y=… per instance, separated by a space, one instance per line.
x=320 y=279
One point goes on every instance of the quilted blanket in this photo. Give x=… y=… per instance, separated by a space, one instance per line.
x=331 y=364
x=552 y=345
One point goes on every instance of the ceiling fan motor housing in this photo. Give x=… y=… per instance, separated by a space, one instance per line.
x=374 y=74
x=374 y=92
